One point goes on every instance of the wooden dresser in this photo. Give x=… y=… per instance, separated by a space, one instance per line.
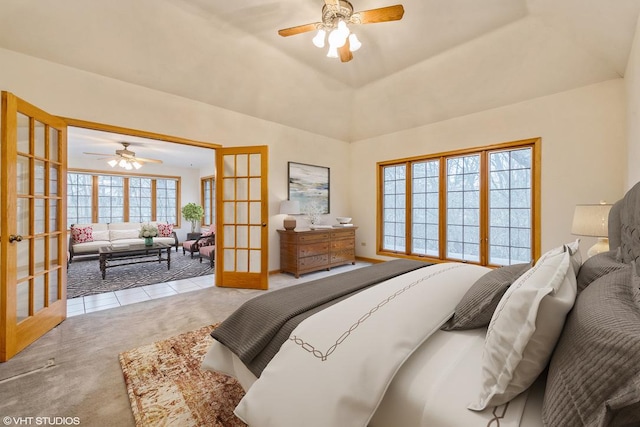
x=312 y=250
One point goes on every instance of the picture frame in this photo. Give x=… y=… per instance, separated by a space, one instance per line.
x=310 y=186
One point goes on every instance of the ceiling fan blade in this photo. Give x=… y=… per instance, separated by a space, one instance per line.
x=286 y=32
x=143 y=160
x=345 y=52
x=383 y=14
x=98 y=154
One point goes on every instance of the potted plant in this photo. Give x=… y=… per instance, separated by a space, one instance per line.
x=192 y=212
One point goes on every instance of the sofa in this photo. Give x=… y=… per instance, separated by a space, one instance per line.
x=87 y=239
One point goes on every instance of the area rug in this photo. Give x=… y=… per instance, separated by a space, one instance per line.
x=84 y=277
x=166 y=386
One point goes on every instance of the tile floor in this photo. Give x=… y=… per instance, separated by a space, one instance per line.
x=82 y=305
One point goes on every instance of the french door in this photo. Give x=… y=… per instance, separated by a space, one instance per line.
x=242 y=211
x=32 y=230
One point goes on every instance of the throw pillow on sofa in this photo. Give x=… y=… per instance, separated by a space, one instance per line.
x=82 y=234
x=165 y=230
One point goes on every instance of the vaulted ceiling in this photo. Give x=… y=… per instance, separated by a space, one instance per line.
x=445 y=58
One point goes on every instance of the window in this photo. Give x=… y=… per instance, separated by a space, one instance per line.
x=474 y=205
x=139 y=199
x=208 y=199
x=79 y=197
x=167 y=200
x=93 y=197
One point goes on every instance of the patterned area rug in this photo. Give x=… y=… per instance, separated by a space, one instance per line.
x=84 y=277
x=166 y=386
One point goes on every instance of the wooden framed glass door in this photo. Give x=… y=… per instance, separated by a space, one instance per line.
x=242 y=212
x=32 y=231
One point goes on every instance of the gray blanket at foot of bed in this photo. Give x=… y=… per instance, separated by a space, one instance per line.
x=257 y=329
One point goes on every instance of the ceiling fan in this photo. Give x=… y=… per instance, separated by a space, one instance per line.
x=336 y=15
x=125 y=158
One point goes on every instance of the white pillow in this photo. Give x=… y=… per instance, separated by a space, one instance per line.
x=525 y=328
x=100 y=235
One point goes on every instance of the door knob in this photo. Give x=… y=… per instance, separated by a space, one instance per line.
x=15 y=238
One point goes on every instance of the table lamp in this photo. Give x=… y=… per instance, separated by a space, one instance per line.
x=593 y=220
x=289 y=207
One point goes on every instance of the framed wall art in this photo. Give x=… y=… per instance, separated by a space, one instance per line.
x=309 y=185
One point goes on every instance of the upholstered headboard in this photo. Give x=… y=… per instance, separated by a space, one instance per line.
x=624 y=225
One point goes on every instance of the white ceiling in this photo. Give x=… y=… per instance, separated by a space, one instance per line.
x=444 y=59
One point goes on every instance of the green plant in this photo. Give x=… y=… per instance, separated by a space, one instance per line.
x=192 y=212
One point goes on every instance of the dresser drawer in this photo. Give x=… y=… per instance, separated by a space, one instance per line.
x=342 y=256
x=313 y=237
x=313 y=249
x=313 y=261
x=342 y=244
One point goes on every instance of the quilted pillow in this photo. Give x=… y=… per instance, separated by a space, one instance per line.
x=594 y=375
x=525 y=328
x=477 y=306
x=165 y=230
x=82 y=234
x=598 y=266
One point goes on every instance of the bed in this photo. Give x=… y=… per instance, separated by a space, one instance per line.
x=405 y=343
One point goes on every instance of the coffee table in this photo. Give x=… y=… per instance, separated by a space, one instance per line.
x=135 y=253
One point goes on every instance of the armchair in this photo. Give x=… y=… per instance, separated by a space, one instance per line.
x=193 y=246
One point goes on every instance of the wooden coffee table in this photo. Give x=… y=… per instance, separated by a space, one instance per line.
x=135 y=253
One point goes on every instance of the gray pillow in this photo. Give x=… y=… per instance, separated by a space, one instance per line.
x=594 y=374
x=598 y=266
x=477 y=306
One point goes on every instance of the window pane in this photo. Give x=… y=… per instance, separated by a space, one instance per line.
x=79 y=193
x=140 y=199
x=166 y=200
x=510 y=203
x=425 y=196
x=394 y=224
x=463 y=215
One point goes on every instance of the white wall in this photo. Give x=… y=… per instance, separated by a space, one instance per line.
x=69 y=92
x=632 y=81
x=583 y=154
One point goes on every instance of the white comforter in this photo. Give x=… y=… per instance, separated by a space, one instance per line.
x=337 y=365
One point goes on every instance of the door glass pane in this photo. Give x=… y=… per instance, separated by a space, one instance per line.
x=22 y=264
x=255 y=210
x=255 y=165
x=39 y=177
x=22 y=300
x=255 y=241
x=39 y=255
x=228 y=165
x=229 y=259
x=255 y=189
x=242 y=237
x=53 y=144
x=23 y=134
x=254 y=261
x=22 y=175
x=53 y=215
x=229 y=192
x=38 y=134
x=230 y=235
x=38 y=293
x=242 y=212
x=242 y=265
x=54 y=293
x=53 y=251
x=39 y=216
x=53 y=181
x=242 y=165
x=22 y=212
x=229 y=212
x=242 y=185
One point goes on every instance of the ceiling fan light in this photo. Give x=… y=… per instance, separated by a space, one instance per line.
x=318 y=40
x=333 y=52
x=336 y=39
x=122 y=163
x=128 y=166
x=354 y=43
x=343 y=29
x=136 y=164
x=112 y=163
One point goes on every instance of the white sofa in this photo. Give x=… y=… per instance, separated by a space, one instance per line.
x=106 y=234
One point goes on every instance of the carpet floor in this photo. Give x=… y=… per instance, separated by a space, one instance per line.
x=74 y=371
x=166 y=385
x=84 y=277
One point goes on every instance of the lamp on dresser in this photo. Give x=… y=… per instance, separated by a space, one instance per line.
x=290 y=207
x=592 y=220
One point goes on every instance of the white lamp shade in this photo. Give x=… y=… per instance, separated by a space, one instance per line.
x=290 y=207
x=591 y=220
